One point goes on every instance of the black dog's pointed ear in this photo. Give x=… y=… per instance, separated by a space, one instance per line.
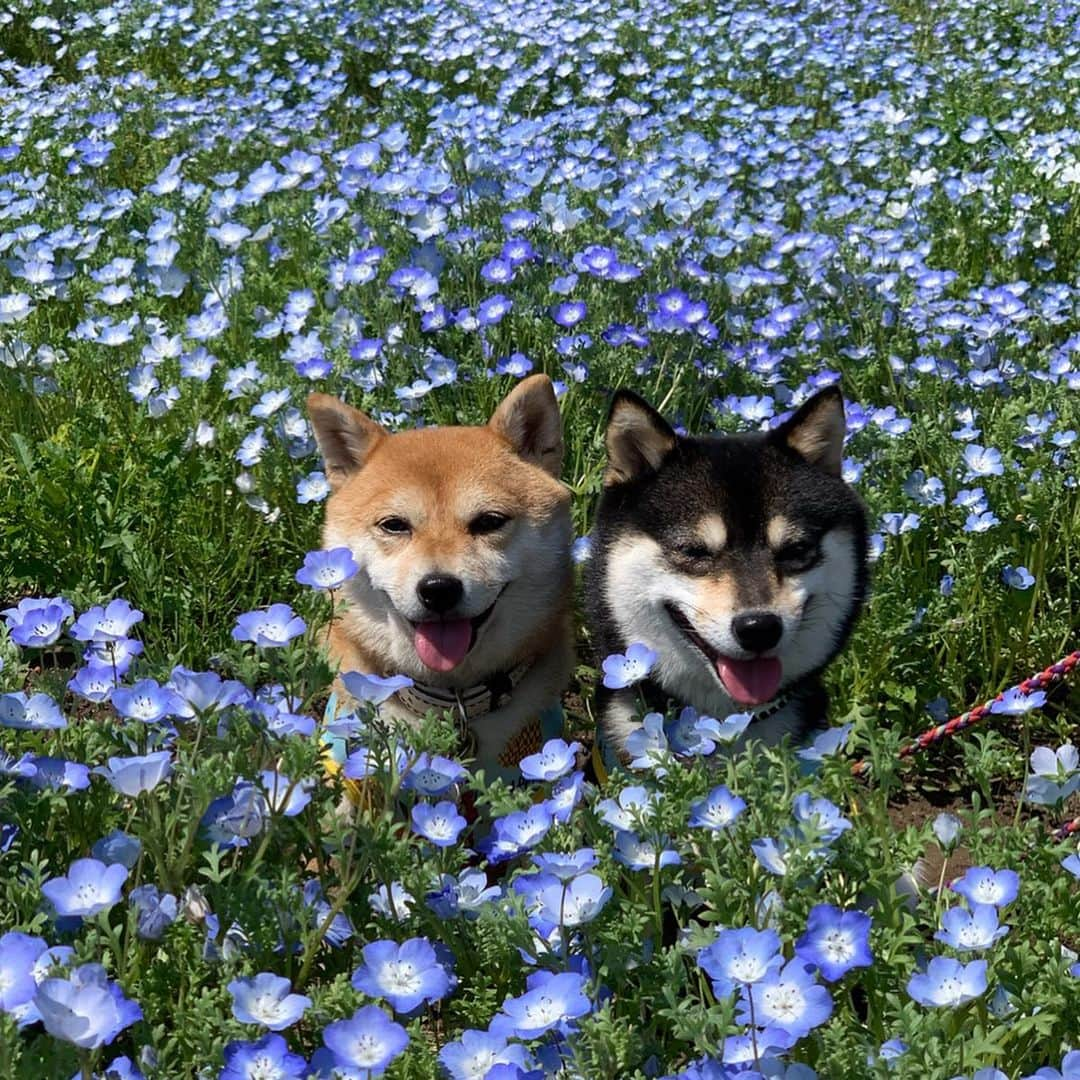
x=345 y=435
x=638 y=439
x=816 y=431
x=529 y=419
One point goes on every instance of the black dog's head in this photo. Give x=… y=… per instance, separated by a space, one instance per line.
x=741 y=560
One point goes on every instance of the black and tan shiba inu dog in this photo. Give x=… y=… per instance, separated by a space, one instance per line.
x=740 y=560
x=462 y=535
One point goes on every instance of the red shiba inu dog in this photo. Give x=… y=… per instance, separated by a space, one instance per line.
x=462 y=535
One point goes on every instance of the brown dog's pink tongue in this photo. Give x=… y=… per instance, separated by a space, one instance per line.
x=750 y=682
x=443 y=645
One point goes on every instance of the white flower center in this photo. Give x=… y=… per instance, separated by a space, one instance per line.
x=785 y=1002
x=401 y=977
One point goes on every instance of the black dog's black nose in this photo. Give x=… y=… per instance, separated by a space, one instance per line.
x=440 y=592
x=757 y=631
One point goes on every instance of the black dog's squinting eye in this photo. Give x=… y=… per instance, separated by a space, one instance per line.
x=694 y=551
x=488 y=522
x=395 y=526
x=798 y=556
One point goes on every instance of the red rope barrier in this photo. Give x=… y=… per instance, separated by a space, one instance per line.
x=1054 y=673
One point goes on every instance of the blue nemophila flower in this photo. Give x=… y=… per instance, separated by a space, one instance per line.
x=788 y=998
x=570 y=903
x=312 y=488
x=232 y=820
x=828 y=743
x=551 y=1000
x=981 y=522
x=1017 y=577
x=515 y=833
x=60 y=774
x=476 y=1053
x=327 y=569
x=117 y=654
x=740 y=957
x=981 y=885
x=946 y=829
x=88 y=887
x=948 y=983
x=30 y=713
x=569 y=313
x=132 y=776
x=717 y=810
x=85 y=1008
x=432 y=774
x=266 y=999
x=565 y=865
x=463 y=895
x=648 y=744
x=440 y=824
x=1015 y=703
x=147 y=702
x=269 y=1057
x=18 y=955
x=644 y=853
x=555 y=759
x=156 y=911
x=271 y=628
x=621 y=671
x=206 y=691
x=981 y=461
x=104 y=624
x=631 y=809
x=566 y=793
x=395 y=904
x=1055 y=774
x=36 y=622
x=818 y=820
x=368 y=1040
x=973 y=930
x=285 y=796
x=95 y=682
x=339 y=929
x=374 y=688
x=835 y=941
x=118 y=847
x=581 y=549
x=406 y=975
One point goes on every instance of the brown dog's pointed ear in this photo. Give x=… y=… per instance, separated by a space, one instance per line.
x=816 y=431
x=638 y=439
x=528 y=418
x=345 y=435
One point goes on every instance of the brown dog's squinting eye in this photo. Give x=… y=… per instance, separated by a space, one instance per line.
x=488 y=522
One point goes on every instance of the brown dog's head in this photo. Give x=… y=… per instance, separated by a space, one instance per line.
x=462 y=534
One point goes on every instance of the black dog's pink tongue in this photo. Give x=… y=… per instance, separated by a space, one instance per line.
x=443 y=645
x=750 y=682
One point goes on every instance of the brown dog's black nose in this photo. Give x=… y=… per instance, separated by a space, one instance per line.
x=757 y=631
x=440 y=592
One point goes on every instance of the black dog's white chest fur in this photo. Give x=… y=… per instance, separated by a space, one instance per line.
x=697 y=542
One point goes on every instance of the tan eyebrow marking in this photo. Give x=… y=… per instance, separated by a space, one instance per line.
x=712 y=532
x=780 y=531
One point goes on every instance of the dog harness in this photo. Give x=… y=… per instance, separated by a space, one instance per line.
x=604 y=757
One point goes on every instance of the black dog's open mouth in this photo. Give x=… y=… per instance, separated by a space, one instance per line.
x=748 y=682
x=688 y=630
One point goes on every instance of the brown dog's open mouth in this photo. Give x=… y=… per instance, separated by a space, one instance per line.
x=442 y=644
x=748 y=682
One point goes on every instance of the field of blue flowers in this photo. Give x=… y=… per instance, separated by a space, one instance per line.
x=208 y=210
